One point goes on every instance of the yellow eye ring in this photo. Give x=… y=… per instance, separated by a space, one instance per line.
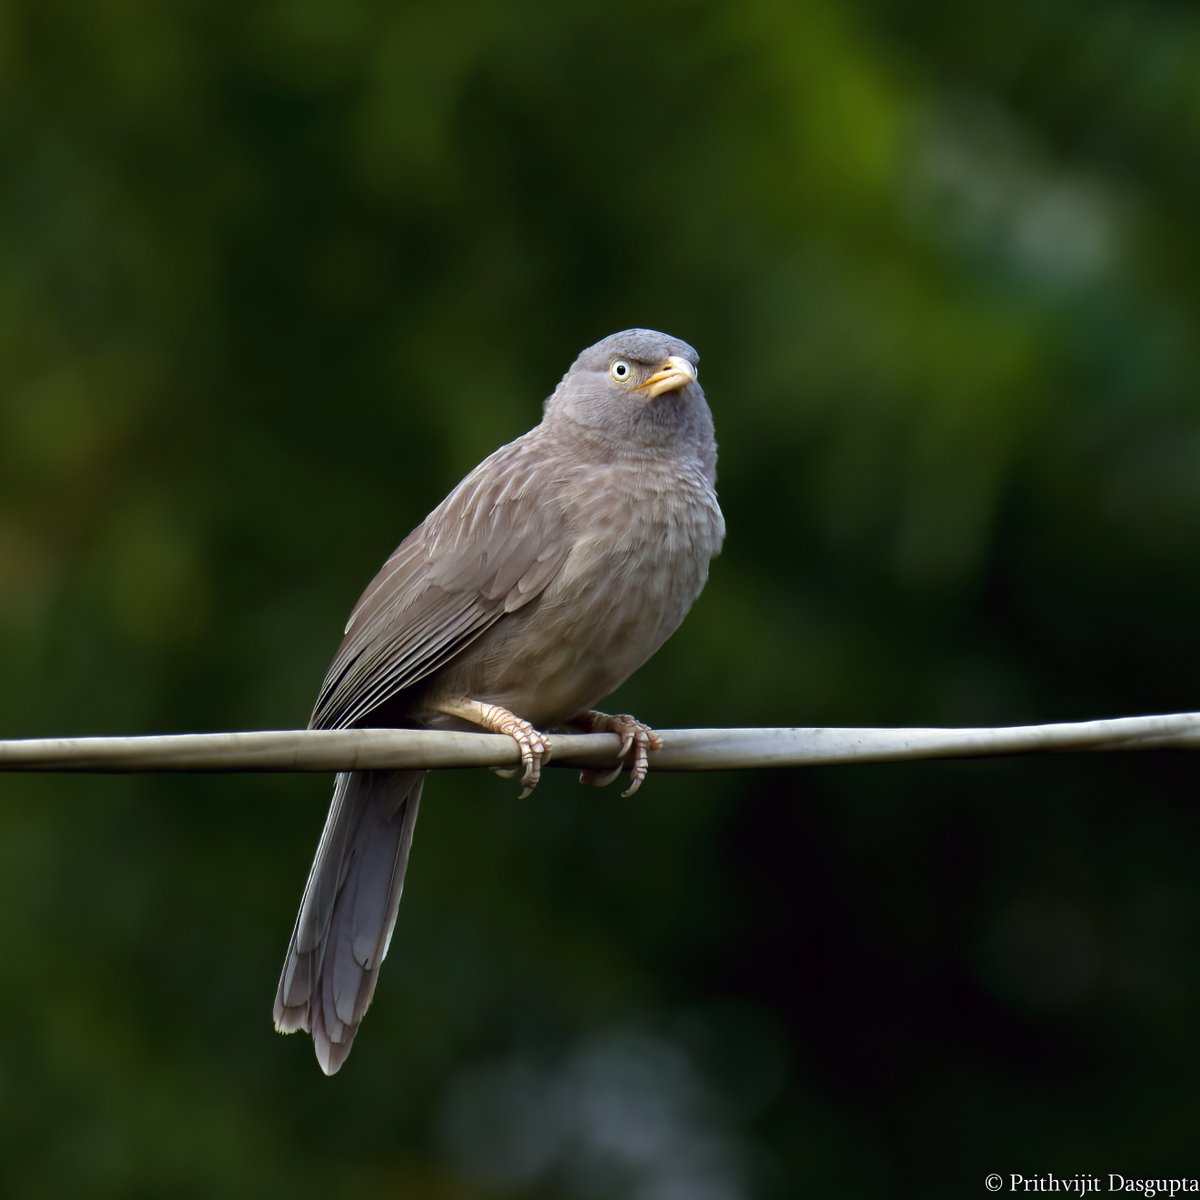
x=620 y=370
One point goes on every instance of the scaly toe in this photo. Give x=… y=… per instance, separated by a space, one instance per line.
x=641 y=759
x=535 y=751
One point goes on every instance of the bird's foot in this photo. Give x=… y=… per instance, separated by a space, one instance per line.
x=533 y=745
x=638 y=742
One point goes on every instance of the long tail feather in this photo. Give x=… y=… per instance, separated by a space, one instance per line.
x=349 y=910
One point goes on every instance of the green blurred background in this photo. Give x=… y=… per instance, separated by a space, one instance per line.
x=274 y=276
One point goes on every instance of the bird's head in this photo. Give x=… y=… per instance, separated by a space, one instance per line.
x=636 y=388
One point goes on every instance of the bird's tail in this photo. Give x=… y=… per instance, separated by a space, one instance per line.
x=348 y=910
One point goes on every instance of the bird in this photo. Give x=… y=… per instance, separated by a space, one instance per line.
x=553 y=571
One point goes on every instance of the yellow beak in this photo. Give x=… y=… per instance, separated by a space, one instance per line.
x=675 y=373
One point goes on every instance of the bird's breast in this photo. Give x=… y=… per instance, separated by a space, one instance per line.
x=639 y=556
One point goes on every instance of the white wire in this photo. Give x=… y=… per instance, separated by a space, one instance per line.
x=683 y=749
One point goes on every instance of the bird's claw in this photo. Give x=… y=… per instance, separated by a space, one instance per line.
x=601 y=778
x=535 y=752
x=533 y=745
x=638 y=742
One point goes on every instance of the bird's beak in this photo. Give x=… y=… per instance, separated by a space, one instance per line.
x=675 y=373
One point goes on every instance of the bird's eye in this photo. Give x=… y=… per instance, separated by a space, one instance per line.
x=621 y=371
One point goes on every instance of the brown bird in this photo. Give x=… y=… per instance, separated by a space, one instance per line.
x=546 y=577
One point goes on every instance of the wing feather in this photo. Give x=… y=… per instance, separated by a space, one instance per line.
x=491 y=547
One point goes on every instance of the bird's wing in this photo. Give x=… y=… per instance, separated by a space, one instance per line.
x=489 y=548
